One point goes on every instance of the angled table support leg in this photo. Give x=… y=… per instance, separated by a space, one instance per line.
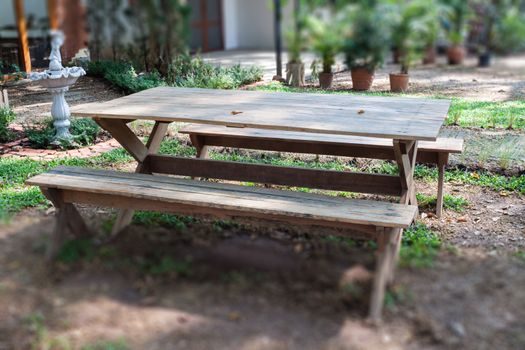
x=406 y=153
x=123 y=134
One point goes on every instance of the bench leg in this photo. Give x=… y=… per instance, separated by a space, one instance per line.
x=199 y=144
x=442 y=161
x=388 y=245
x=68 y=221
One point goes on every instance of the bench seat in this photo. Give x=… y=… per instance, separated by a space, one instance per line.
x=284 y=141
x=382 y=221
x=431 y=152
x=185 y=195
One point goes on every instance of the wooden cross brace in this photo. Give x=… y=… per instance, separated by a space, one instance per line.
x=127 y=138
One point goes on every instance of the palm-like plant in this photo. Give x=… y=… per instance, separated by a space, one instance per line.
x=407 y=31
x=455 y=24
x=325 y=36
x=367 y=42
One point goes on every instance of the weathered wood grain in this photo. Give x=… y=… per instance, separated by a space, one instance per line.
x=225 y=197
x=441 y=145
x=372 y=116
x=276 y=175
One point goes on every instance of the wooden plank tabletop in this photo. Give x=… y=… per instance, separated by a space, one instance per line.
x=400 y=118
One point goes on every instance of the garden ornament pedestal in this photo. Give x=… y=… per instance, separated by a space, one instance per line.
x=57 y=81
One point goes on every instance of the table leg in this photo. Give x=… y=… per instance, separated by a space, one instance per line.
x=123 y=134
x=406 y=153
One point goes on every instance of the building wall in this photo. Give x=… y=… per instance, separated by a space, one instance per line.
x=36 y=9
x=249 y=24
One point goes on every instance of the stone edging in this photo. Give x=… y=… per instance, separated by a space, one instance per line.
x=14 y=149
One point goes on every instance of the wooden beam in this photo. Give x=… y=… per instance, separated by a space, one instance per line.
x=277 y=175
x=123 y=134
x=22 y=34
x=52 y=10
x=124 y=202
x=125 y=216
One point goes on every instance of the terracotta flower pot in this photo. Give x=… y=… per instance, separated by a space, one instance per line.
x=325 y=80
x=398 y=82
x=456 y=54
x=430 y=55
x=362 y=79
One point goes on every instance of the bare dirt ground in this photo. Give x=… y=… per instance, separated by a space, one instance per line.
x=267 y=286
x=32 y=102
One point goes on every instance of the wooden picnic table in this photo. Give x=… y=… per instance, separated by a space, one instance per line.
x=403 y=120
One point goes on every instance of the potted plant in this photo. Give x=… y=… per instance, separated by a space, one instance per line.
x=492 y=16
x=325 y=38
x=457 y=14
x=366 y=44
x=407 y=38
x=295 y=41
x=430 y=29
x=294 y=66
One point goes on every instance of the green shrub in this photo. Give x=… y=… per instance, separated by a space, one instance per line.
x=85 y=131
x=122 y=75
x=186 y=71
x=7 y=116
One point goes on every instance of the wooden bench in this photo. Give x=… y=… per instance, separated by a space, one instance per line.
x=431 y=152
x=381 y=221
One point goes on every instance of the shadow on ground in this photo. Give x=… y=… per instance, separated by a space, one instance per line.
x=225 y=286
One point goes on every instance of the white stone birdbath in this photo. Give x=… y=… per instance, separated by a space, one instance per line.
x=57 y=80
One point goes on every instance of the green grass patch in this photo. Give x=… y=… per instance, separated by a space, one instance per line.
x=466 y=113
x=338 y=240
x=520 y=255
x=502 y=114
x=419 y=247
x=119 y=344
x=14 y=195
x=148 y=218
x=165 y=266
x=78 y=249
x=455 y=203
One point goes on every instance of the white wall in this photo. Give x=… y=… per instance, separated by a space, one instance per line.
x=35 y=8
x=249 y=24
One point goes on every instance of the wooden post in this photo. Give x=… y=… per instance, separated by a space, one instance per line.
x=52 y=10
x=22 y=34
x=277 y=37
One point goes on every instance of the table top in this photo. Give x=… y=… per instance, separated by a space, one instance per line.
x=403 y=118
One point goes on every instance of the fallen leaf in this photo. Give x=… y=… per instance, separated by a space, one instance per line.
x=462 y=219
x=235 y=112
x=432 y=215
x=361 y=111
x=504 y=194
